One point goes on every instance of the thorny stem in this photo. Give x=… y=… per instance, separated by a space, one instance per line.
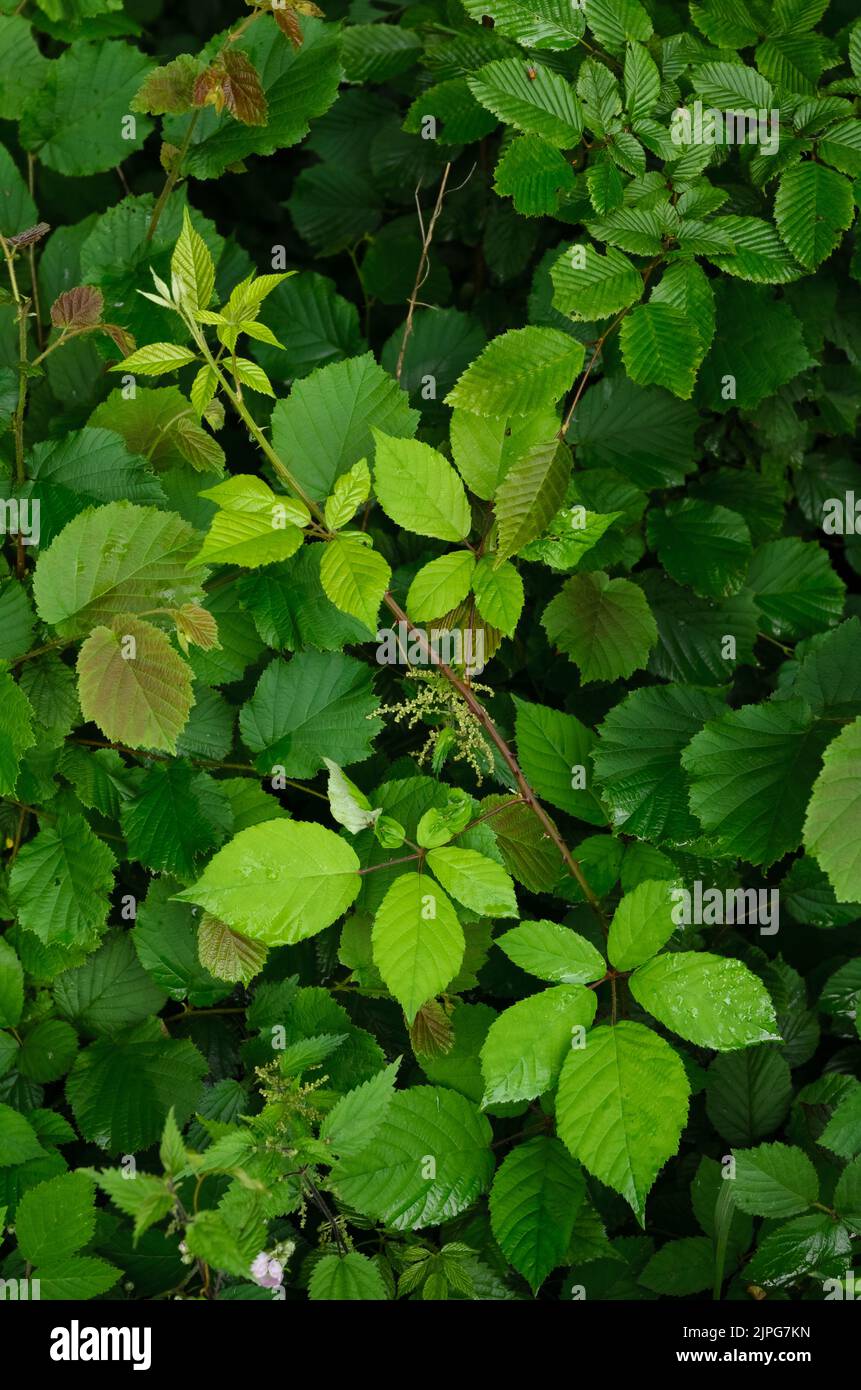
x=424 y=267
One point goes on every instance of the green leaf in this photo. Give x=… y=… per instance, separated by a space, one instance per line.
x=731 y=86
x=418 y=941
x=11 y=985
x=642 y=923
x=319 y=704
x=73 y=135
x=47 y=1050
x=279 y=882
x=614 y=21
x=812 y=209
x=661 y=347
x=192 y=266
x=355 y=577
x=842 y=1133
x=146 y=1199
x=713 y=1001
x=587 y=285
x=544 y=105
x=18 y=1141
x=536 y=1195
x=60 y=882
x=352 y=1123
x=498 y=591
x=642 y=82
x=621 y=1107
x=831 y=827
x=56 y=1219
x=808 y=1245
x=519 y=372
x=169 y=825
x=795 y=588
x=748 y=1093
x=529 y=495
x=774 y=1180
x=474 y=880
x=751 y=773
x=555 y=753
x=705 y=546
x=121 y=1088
x=553 y=953
x=484 y=448
x=603 y=625
x=419 y=489
x=441 y=585
x=123 y=559
x=111 y=990
x=759 y=255
x=528 y=1042
x=429 y=1161
x=681 y=1267
x=347 y=1278
x=297 y=85
x=533 y=173
x=542 y=24
x=253 y=525
x=134 y=685
x=16 y=733
x=324 y=426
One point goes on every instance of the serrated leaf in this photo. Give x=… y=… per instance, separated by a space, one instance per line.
x=419 y=489
x=603 y=625
x=418 y=941
x=355 y=577
x=554 y=751
x=519 y=372
x=774 y=1180
x=134 y=685
x=553 y=952
x=279 y=882
x=536 y=1195
x=543 y=104
x=588 y=285
x=621 y=1106
x=346 y=1278
x=642 y=923
x=60 y=882
x=429 y=1160
x=831 y=826
x=812 y=209
x=529 y=495
x=528 y=1042
x=712 y=1001
x=227 y=954
x=474 y=880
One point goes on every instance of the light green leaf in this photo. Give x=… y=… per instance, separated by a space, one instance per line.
x=60 y=882
x=419 y=489
x=441 y=585
x=355 y=577
x=254 y=526
x=621 y=1107
x=521 y=371
x=528 y=1042
x=192 y=266
x=642 y=923
x=279 y=882
x=498 y=593
x=474 y=880
x=418 y=941
x=553 y=952
x=115 y=559
x=16 y=731
x=713 y=1001
x=832 y=828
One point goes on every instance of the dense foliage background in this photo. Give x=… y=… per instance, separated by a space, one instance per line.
x=325 y=970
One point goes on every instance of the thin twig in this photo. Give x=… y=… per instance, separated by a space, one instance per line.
x=424 y=265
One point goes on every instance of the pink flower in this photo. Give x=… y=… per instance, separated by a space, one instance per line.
x=267 y=1272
